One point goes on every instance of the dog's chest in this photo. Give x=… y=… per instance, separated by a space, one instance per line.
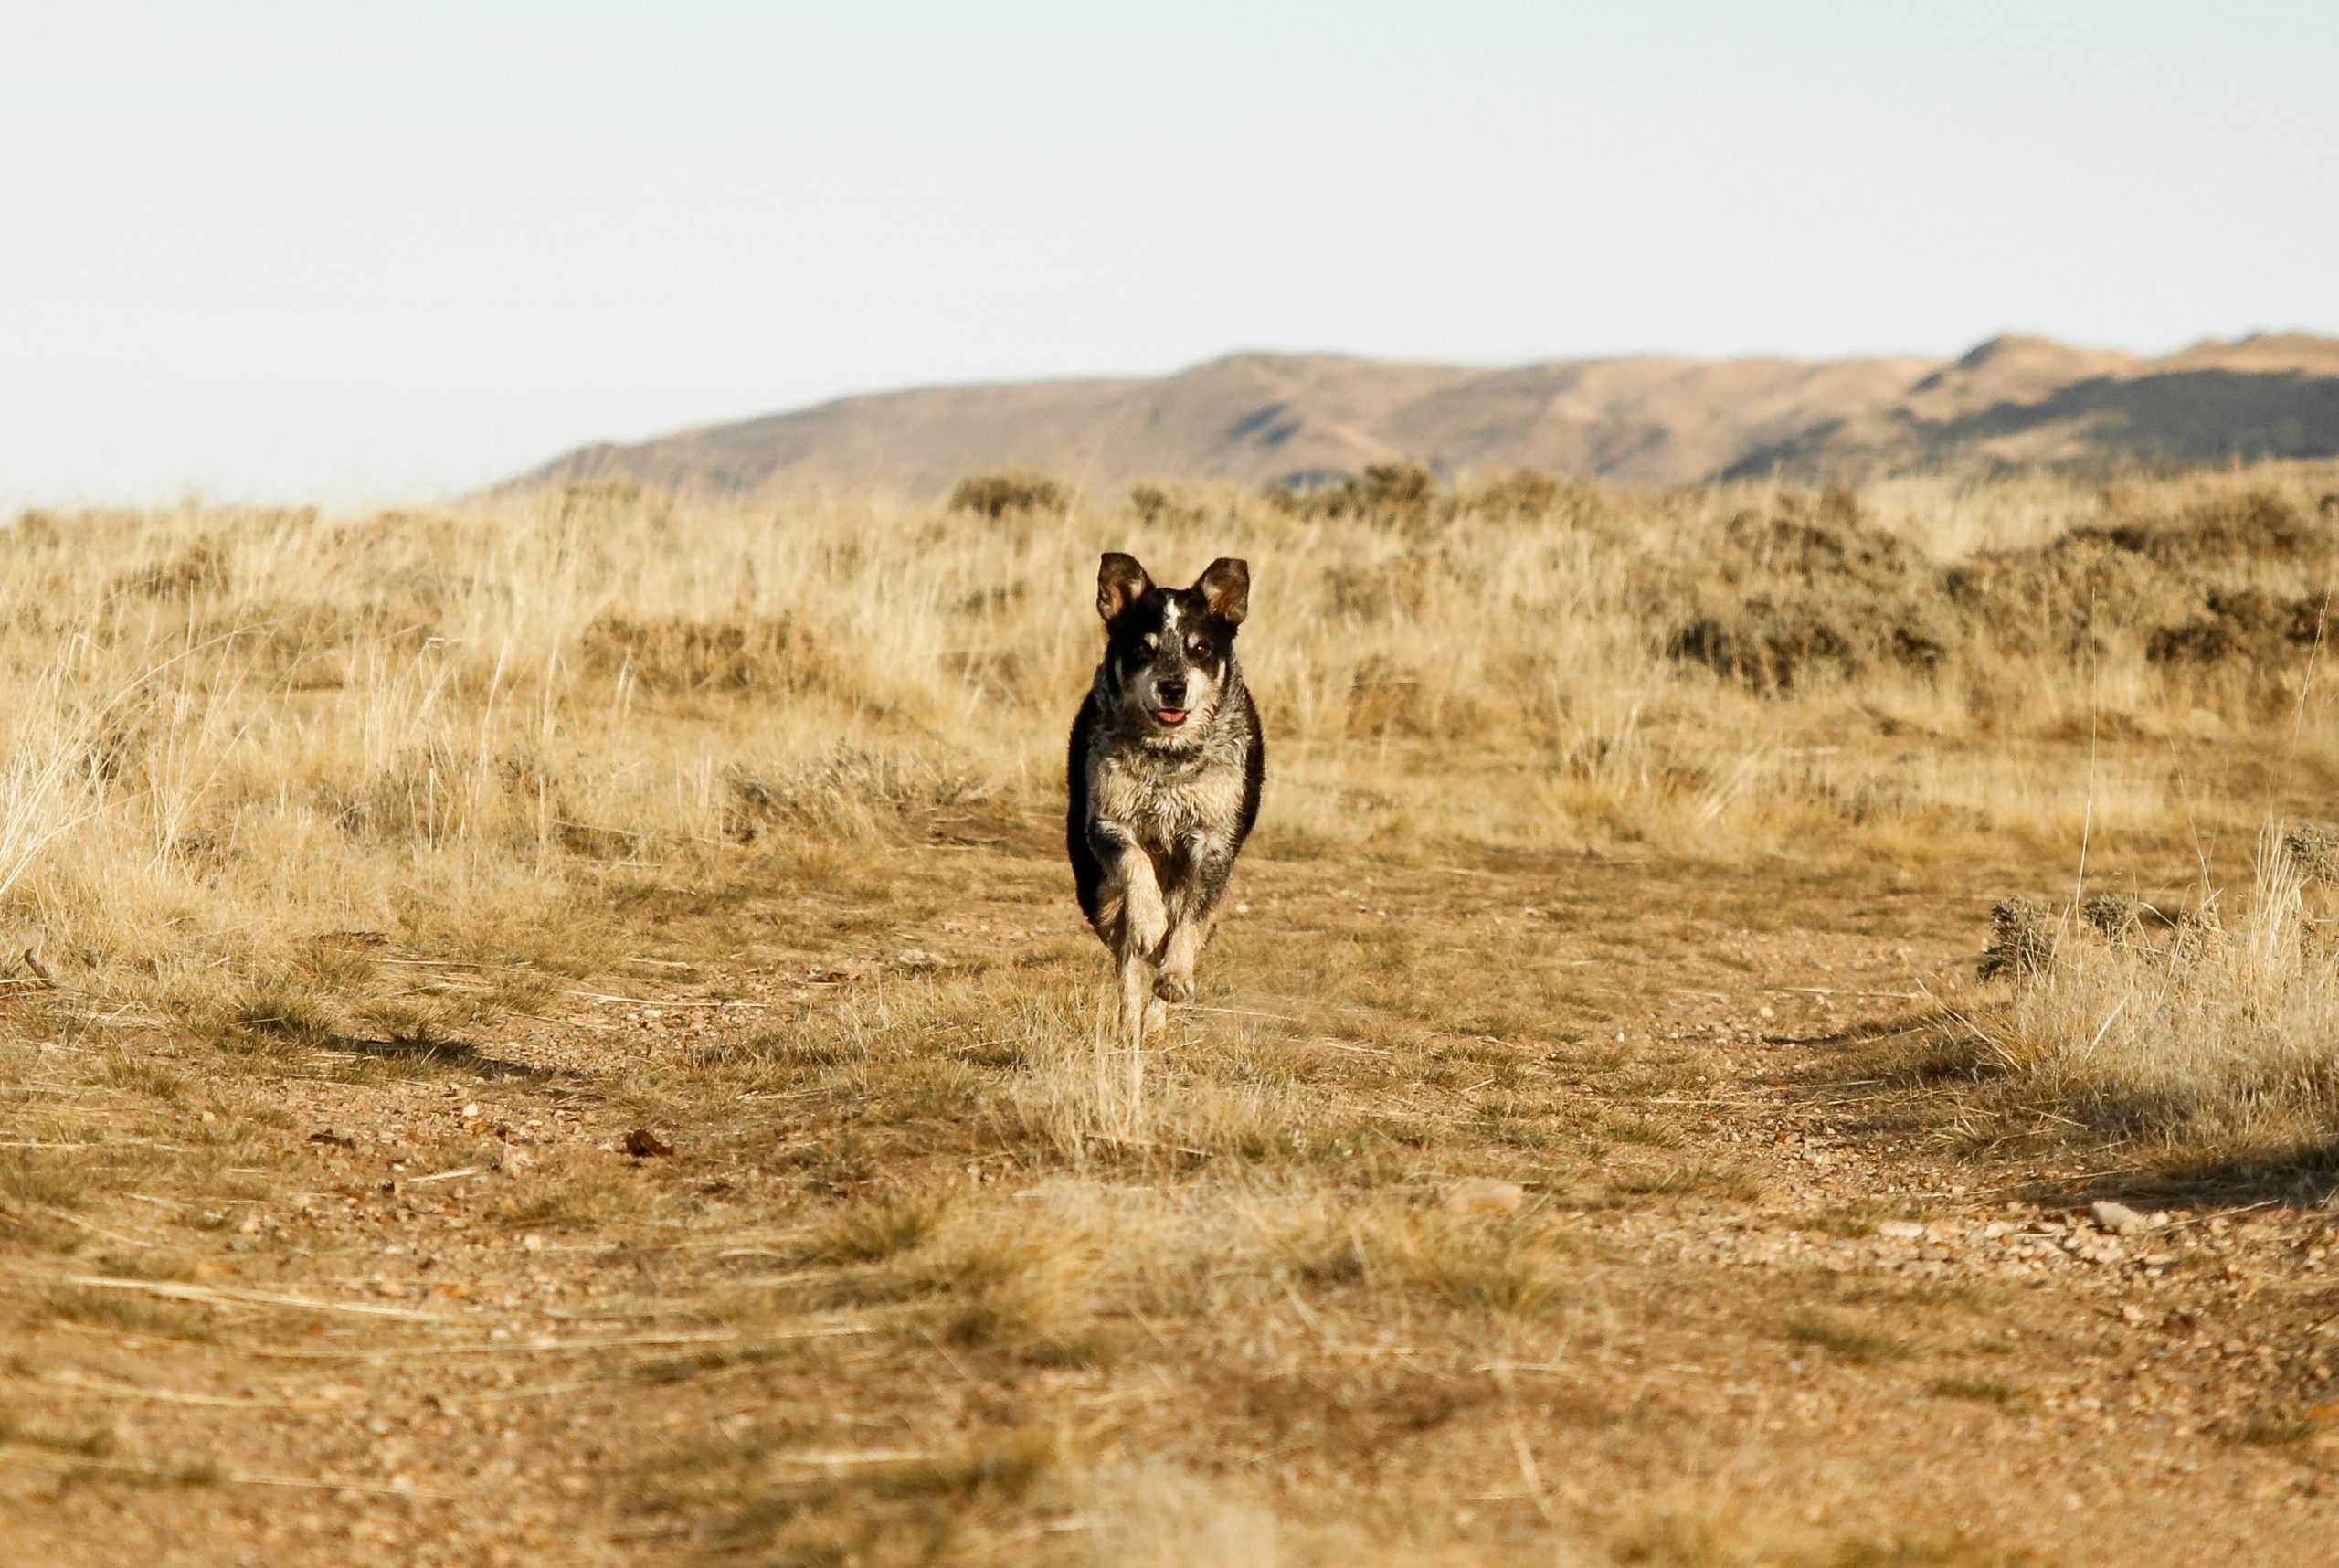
x=1166 y=803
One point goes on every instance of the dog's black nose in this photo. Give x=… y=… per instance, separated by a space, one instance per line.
x=1172 y=693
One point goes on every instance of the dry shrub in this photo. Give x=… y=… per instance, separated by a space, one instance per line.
x=2218 y=531
x=1526 y=495
x=1397 y=494
x=2314 y=850
x=948 y=1506
x=1811 y=587
x=1033 y=1292
x=1506 y=1265
x=2022 y=941
x=2210 y=1037
x=198 y=571
x=873 y=1231
x=1160 y=506
x=1397 y=588
x=1387 y=697
x=2244 y=625
x=845 y=786
x=1815 y=587
x=677 y=654
x=2058 y=601
x=997 y=495
x=2202 y=581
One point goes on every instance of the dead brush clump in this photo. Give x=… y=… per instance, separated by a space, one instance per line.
x=1508 y=1266
x=1528 y=495
x=1401 y=495
x=1750 y=1538
x=1848 y=1340
x=1815 y=587
x=570 y=1192
x=1810 y=587
x=2203 y=1036
x=2223 y=580
x=2022 y=941
x=2065 y=599
x=1169 y=506
x=669 y=654
x=2248 y=626
x=998 y=495
x=848 y=789
x=309 y=645
x=2256 y=526
x=431 y=794
x=750 y=1493
x=876 y=1229
x=1089 y=1098
x=201 y=571
x=1033 y=1293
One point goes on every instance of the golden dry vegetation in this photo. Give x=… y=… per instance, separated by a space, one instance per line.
x=553 y=1030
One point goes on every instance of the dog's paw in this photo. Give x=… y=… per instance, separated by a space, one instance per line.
x=1174 y=988
x=1156 y=1016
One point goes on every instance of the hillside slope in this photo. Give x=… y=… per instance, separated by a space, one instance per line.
x=1261 y=419
x=2017 y=403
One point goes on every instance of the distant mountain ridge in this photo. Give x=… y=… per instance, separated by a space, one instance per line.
x=2013 y=402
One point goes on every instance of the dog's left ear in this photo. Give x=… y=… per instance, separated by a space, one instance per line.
x=1226 y=588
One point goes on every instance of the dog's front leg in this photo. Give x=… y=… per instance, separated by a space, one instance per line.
x=1192 y=909
x=1144 y=921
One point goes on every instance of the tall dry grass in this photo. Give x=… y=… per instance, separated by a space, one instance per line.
x=2210 y=1036
x=232 y=731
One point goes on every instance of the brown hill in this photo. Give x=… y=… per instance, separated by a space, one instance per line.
x=1260 y=418
x=2018 y=403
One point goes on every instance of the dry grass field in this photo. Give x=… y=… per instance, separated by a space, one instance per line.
x=555 y=1031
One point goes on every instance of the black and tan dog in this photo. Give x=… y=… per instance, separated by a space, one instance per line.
x=1167 y=761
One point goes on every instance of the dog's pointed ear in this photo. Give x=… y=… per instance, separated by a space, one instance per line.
x=1226 y=588
x=1119 y=581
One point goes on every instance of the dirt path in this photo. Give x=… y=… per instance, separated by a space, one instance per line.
x=1499 y=1212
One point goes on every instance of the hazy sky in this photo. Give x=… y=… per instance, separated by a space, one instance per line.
x=353 y=252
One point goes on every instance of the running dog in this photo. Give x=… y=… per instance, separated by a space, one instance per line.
x=1167 y=762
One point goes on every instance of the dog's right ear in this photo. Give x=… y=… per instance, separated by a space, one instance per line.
x=1119 y=581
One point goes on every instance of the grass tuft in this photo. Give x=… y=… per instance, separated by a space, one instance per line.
x=1850 y=1342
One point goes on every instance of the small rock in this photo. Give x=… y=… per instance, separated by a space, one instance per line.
x=532 y=1242
x=2117 y=1218
x=1900 y=1230
x=643 y=1144
x=2131 y=1313
x=1485 y=1195
x=917 y=959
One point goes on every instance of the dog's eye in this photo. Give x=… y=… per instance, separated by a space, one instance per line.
x=1198 y=649
x=1149 y=643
